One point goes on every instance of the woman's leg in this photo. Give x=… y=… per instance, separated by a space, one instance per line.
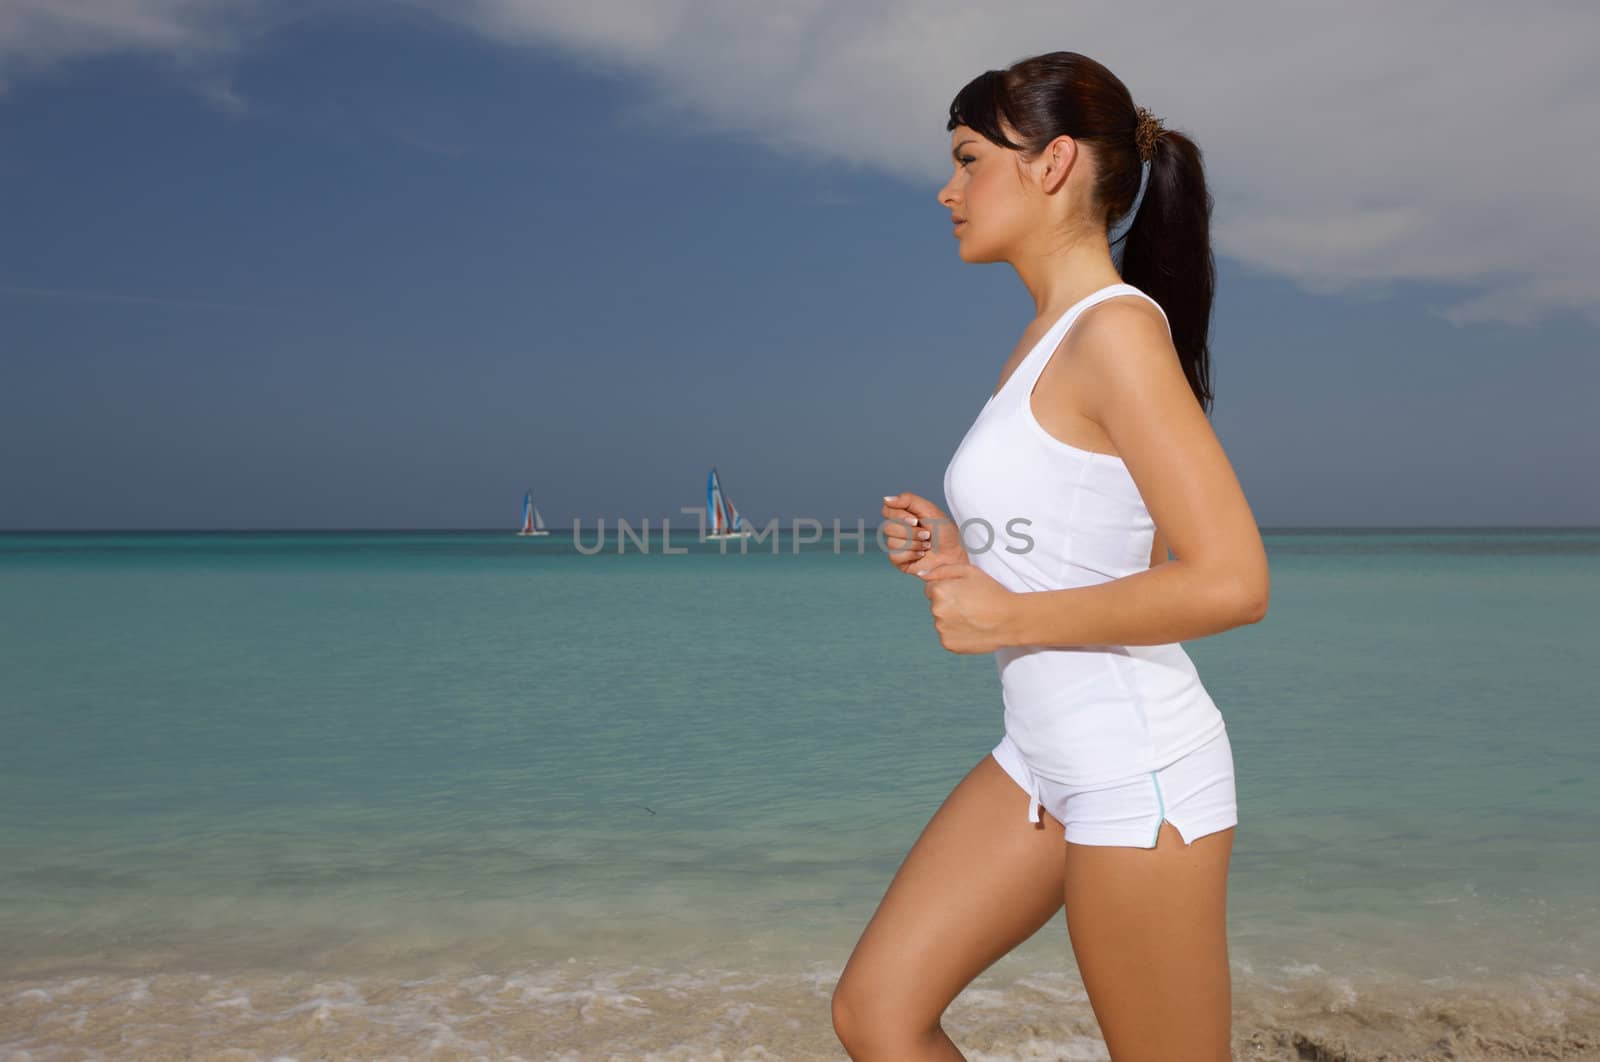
x=980 y=880
x=1148 y=928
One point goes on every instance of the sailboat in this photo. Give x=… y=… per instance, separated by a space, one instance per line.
x=723 y=516
x=532 y=522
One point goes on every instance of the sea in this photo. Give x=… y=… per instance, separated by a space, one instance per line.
x=466 y=795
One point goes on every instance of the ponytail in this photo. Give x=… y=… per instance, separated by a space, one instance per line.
x=1167 y=253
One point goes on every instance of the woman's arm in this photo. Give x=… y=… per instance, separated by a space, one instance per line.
x=1158 y=550
x=1128 y=379
x=1171 y=602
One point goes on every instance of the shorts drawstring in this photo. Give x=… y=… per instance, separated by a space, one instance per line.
x=1033 y=801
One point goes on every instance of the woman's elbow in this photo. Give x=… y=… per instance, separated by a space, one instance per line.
x=1242 y=599
x=1254 y=608
x=1250 y=598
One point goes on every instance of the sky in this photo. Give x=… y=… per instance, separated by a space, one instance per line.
x=390 y=263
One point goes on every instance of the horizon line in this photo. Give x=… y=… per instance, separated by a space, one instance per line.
x=686 y=530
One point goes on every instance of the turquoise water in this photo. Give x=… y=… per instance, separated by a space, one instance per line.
x=314 y=760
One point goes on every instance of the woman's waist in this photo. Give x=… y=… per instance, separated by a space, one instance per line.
x=1142 y=672
x=1043 y=563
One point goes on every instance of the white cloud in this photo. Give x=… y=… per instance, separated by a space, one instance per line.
x=37 y=33
x=196 y=38
x=1348 y=145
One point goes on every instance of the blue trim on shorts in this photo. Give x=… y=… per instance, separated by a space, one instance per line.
x=1162 y=806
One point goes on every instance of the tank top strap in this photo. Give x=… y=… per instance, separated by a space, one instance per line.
x=1033 y=365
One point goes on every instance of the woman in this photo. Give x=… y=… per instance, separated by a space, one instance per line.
x=1112 y=789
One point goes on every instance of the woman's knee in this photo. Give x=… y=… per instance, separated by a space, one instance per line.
x=871 y=1025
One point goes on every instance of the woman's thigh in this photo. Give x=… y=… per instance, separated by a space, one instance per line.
x=1148 y=929
x=980 y=880
x=1147 y=913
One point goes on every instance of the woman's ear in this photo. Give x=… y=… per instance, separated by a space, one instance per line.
x=1058 y=156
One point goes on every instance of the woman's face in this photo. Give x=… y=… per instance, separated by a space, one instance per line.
x=987 y=200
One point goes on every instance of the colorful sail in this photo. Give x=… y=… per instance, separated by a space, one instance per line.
x=532 y=521
x=724 y=515
x=714 y=503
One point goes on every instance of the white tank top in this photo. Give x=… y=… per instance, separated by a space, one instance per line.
x=1089 y=714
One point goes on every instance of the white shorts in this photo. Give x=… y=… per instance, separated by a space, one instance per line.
x=1195 y=793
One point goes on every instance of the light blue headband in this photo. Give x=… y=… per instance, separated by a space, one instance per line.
x=1120 y=230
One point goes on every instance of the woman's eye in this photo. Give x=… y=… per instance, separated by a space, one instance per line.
x=966 y=159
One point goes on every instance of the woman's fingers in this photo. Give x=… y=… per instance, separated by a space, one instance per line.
x=903 y=550
x=909 y=503
x=894 y=508
x=910 y=509
x=898 y=532
x=919 y=512
x=921 y=508
x=907 y=540
x=902 y=524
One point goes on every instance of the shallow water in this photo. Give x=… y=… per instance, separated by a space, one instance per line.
x=467 y=795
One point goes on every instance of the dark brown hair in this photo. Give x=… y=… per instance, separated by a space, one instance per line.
x=1167 y=252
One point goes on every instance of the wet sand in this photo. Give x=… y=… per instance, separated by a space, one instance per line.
x=581 y=1010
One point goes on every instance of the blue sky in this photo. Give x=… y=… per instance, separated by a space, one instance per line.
x=389 y=269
